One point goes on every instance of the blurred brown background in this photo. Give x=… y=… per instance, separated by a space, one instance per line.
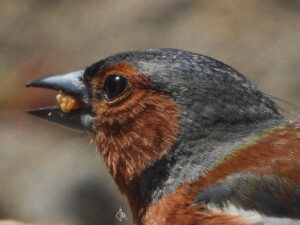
x=49 y=174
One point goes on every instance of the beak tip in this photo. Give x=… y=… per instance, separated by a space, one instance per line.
x=36 y=112
x=28 y=84
x=32 y=83
x=30 y=112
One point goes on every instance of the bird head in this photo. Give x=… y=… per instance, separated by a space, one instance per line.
x=160 y=117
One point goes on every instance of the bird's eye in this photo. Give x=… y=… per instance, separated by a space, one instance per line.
x=114 y=86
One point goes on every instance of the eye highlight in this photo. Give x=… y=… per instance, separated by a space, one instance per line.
x=114 y=86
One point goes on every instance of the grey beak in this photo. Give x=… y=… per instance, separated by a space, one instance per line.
x=71 y=84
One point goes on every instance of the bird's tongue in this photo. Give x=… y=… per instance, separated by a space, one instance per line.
x=71 y=111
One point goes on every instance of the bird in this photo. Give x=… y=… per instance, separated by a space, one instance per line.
x=184 y=136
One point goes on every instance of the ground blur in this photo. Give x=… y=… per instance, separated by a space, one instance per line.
x=53 y=175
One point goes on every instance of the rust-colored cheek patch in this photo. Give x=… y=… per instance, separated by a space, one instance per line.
x=136 y=132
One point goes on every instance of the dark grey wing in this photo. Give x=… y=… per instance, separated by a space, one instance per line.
x=270 y=195
x=286 y=108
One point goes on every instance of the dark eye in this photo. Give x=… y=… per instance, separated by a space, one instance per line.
x=114 y=86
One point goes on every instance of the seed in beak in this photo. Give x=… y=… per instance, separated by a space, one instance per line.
x=68 y=103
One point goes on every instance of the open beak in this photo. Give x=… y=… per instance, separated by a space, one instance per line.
x=72 y=112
